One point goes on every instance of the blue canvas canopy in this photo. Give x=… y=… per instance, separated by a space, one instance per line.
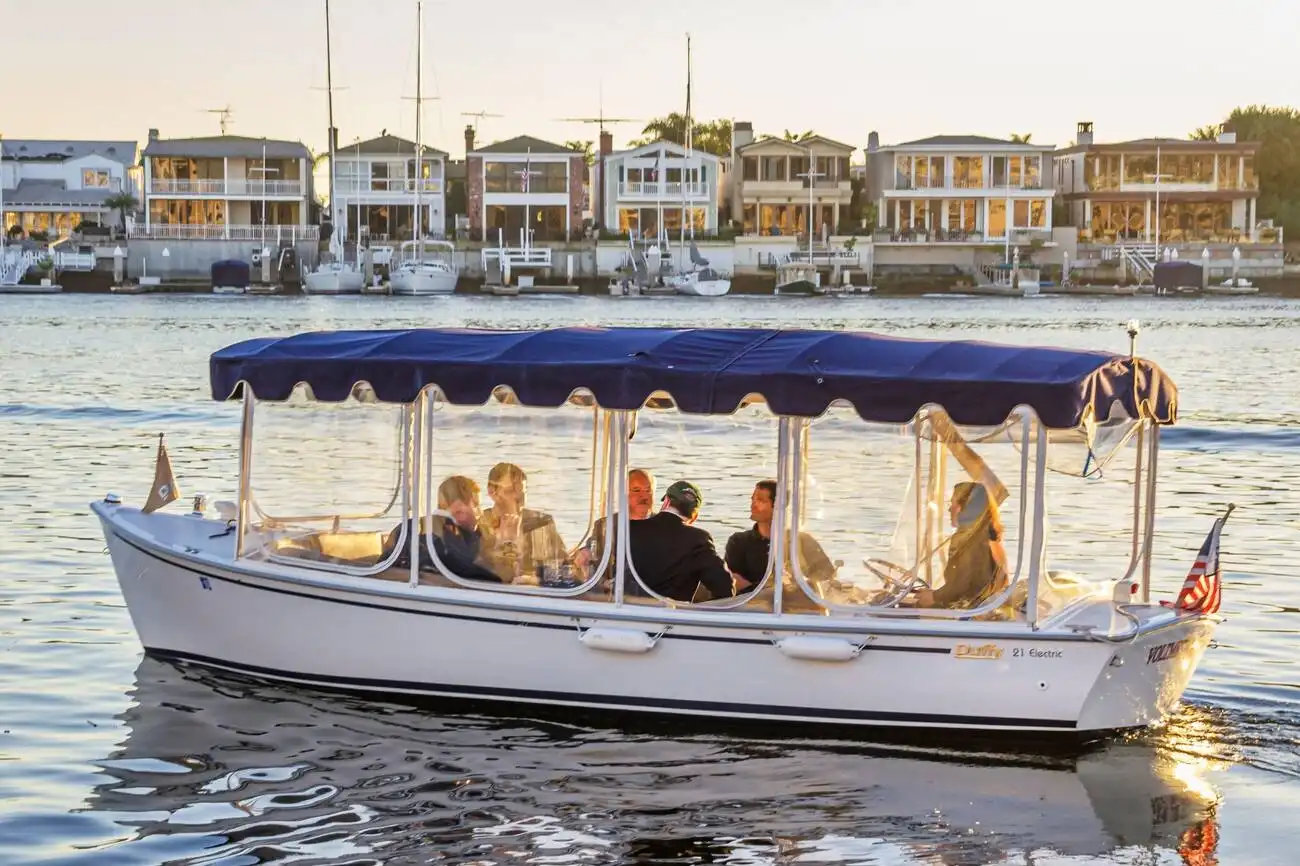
x=798 y=372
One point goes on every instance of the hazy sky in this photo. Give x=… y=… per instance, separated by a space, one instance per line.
x=842 y=67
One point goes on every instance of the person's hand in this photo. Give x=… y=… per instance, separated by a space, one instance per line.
x=582 y=558
x=925 y=598
x=741 y=583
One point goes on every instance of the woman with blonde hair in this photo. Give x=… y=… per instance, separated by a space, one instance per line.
x=977 y=562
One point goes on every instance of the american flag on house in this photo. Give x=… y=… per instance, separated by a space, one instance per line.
x=1202 y=591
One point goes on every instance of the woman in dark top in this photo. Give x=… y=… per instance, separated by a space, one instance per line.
x=977 y=562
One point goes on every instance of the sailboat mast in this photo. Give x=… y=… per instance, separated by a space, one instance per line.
x=686 y=160
x=333 y=133
x=419 y=110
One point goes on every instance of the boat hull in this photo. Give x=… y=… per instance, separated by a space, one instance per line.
x=366 y=634
x=799 y=288
x=691 y=285
x=334 y=282
x=424 y=282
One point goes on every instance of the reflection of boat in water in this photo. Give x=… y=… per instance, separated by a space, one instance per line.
x=225 y=767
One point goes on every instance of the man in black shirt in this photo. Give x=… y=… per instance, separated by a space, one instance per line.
x=748 y=551
x=673 y=557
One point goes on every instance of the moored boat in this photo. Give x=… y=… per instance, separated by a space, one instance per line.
x=934 y=630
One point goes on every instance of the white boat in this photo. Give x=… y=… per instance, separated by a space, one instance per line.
x=1236 y=286
x=699 y=279
x=797 y=278
x=426 y=268
x=333 y=276
x=279 y=588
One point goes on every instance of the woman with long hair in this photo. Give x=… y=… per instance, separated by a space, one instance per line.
x=977 y=562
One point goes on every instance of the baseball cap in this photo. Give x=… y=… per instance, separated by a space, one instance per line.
x=685 y=494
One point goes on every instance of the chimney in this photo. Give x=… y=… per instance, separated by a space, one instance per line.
x=153 y=135
x=606 y=142
x=1083 y=133
x=469 y=138
x=873 y=142
x=742 y=133
x=1226 y=137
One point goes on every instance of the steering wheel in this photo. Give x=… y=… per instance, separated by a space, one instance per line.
x=894 y=576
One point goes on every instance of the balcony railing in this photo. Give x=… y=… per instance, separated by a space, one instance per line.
x=662 y=189
x=953 y=182
x=383 y=186
x=220 y=232
x=217 y=186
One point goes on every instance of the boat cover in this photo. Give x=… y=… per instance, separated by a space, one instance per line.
x=798 y=372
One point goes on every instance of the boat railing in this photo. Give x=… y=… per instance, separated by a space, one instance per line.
x=518 y=257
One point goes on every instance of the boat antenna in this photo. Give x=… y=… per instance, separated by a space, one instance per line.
x=1134 y=328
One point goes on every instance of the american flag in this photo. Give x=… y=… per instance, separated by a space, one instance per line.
x=1202 y=591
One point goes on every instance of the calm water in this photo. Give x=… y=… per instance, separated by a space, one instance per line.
x=109 y=758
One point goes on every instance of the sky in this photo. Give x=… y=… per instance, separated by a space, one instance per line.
x=844 y=68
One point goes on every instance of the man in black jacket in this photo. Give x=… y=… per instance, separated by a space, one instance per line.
x=673 y=557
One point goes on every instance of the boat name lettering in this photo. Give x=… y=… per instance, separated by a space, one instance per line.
x=987 y=651
x=1166 y=651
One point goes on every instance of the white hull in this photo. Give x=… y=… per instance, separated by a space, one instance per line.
x=424 y=282
x=690 y=284
x=334 y=281
x=228 y=290
x=189 y=600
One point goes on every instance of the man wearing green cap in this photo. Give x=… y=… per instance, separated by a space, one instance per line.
x=672 y=556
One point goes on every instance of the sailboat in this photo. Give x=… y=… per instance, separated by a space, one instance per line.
x=699 y=279
x=333 y=277
x=427 y=267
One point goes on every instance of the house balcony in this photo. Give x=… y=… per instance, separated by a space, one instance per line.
x=963 y=187
x=218 y=187
x=796 y=189
x=662 y=190
x=386 y=187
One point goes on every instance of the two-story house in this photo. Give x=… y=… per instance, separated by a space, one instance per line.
x=649 y=188
x=51 y=187
x=771 y=180
x=524 y=181
x=225 y=186
x=1204 y=191
x=966 y=189
x=375 y=189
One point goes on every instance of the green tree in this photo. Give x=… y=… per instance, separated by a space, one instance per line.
x=710 y=136
x=124 y=203
x=787 y=135
x=1206 y=133
x=1021 y=137
x=588 y=149
x=1277 y=162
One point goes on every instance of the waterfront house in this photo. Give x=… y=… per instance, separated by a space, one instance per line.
x=50 y=187
x=646 y=188
x=225 y=186
x=524 y=179
x=1207 y=190
x=960 y=189
x=377 y=178
x=767 y=183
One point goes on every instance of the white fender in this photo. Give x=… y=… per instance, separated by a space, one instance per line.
x=618 y=640
x=819 y=649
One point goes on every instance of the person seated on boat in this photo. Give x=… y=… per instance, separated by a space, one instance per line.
x=516 y=540
x=457 y=538
x=640 y=505
x=748 y=551
x=673 y=557
x=977 y=562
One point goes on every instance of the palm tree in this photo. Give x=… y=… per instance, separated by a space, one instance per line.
x=791 y=136
x=1207 y=133
x=1021 y=137
x=124 y=203
x=710 y=136
x=586 y=148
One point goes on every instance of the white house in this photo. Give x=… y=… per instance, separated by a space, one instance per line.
x=961 y=189
x=376 y=189
x=225 y=186
x=51 y=186
x=657 y=182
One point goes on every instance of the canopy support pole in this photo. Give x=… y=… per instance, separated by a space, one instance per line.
x=245 y=469
x=1039 y=539
x=1149 y=534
